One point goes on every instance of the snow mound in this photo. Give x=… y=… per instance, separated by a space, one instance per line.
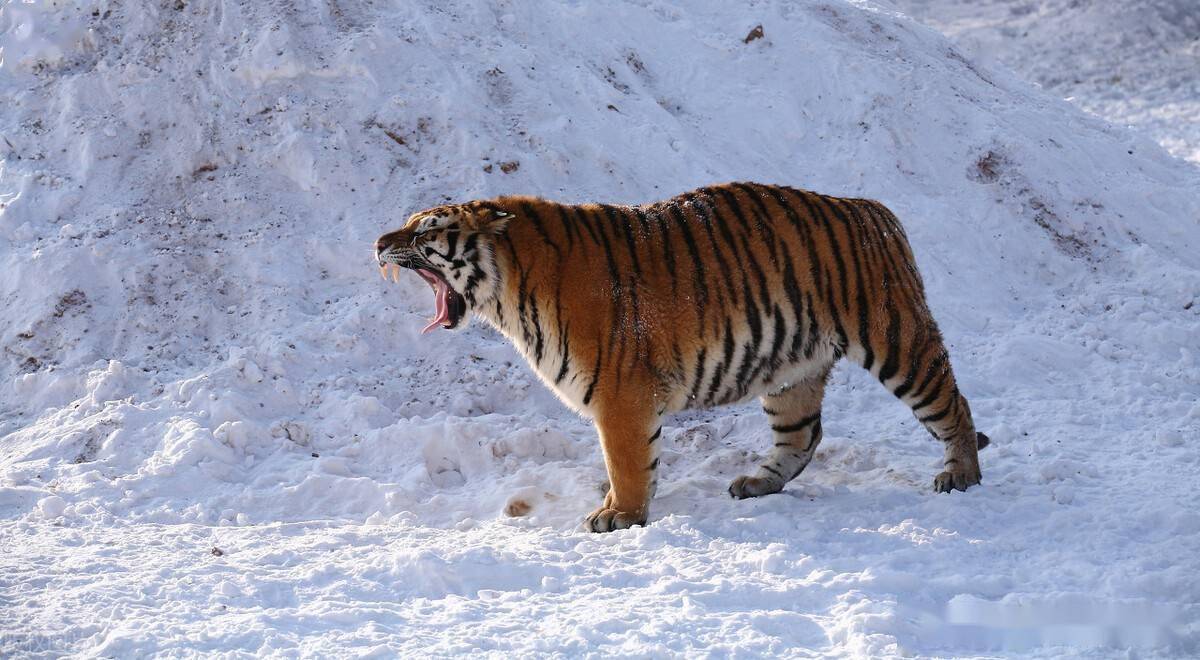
x=1131 y=62
x=220 y=430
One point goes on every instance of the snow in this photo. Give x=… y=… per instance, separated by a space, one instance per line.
x=1132 y=63
x=220 y=432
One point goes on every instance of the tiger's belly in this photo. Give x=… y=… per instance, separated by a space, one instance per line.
x=726 y=386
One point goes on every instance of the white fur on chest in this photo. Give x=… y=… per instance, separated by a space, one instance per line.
x=570 y=386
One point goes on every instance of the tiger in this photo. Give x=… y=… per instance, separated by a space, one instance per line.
x=727 y=292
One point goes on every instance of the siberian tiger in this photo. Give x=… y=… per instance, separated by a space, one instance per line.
x=727 y=292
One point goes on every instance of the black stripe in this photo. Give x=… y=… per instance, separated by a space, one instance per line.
x=706 y=221
x=582 y=220
x=916 y=357
x=777 y=341
x=698 y=266
x=842 y=341
x=720 y=219
x=639 y=212
x=896 y=258
x=539 y=337
x=891 y=363
x=894 y=294
x=655 y=436
x=886 y=217
x=933 y=396
x=731 y=201
x=529 y=211
x=618 y=308
x=858 y=243
x=587 y=397
x=824 y=210
x=749 y=352
x=564 y=336
x=469 y=248
x=792 y=428
x=569 y=227
x=723 y=366
x=791 y=289
x=937 y=370
x=565 y=350
x=522 y=291
x=760 y=276
x=699 y=377
x=929 y=419
x=752 y=310
x=716 y=218
x=802 y=231
x=668 y=251
x=814 y=332
x=835 y=249
x=499 y=311
x=618 y=219
x=763 y=218
x=499 y=284
x=770 y=313
x=522 y=304
x=809 y=232
x=677 y=362
x=610 y=258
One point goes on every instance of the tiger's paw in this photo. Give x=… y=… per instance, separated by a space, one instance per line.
x=607 y=519
x=746 y=486
x=956 y=480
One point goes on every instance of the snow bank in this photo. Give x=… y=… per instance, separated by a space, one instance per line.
x=1130 y=62
x=221 y=430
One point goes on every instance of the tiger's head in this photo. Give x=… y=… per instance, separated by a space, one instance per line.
x=451 y=247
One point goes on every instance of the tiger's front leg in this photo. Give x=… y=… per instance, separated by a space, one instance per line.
x=629 y=437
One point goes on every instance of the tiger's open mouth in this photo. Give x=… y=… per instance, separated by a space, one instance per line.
x=449 y=305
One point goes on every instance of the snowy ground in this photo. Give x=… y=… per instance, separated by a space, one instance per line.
x=1133 y=63
x=219 y=431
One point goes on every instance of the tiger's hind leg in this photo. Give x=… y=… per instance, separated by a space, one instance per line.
x=795 y=416
x=930 y=390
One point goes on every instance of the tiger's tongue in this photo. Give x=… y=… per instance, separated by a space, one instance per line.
x=441 y=298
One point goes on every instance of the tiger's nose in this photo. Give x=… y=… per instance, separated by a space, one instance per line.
x=380 y=248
